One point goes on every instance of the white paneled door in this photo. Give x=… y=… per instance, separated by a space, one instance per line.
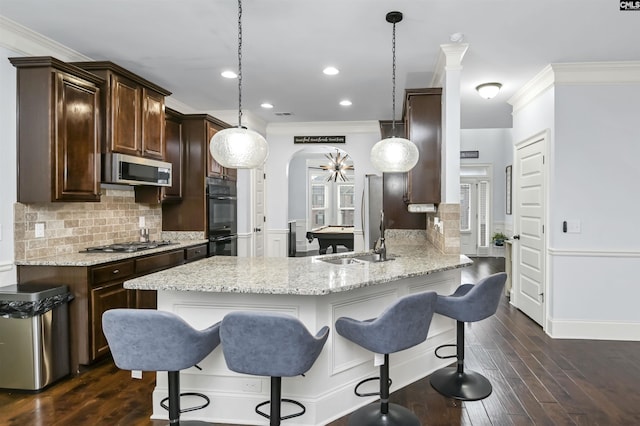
x=529 y=222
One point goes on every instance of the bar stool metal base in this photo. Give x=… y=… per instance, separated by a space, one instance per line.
x=371 y=415
x=466 y=386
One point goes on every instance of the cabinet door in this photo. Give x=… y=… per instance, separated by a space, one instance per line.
x=214 y=169
x=125 y=117
x=174 y=154
x=423 y=128
x=153 y=138
x=76 y=164
x=103 y=298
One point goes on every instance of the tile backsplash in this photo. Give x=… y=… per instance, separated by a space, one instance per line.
x=71 y=227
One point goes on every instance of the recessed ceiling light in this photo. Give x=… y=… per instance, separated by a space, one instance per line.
x=229 y=74
x=266 y=105
x=331 y=71
x=457 y=37
x=345 y=102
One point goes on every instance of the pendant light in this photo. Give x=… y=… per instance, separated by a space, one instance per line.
x=394 y=154
x=238 y=147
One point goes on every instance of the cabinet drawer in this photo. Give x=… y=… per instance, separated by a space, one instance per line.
x=195 y=253
x=159 y=261
x=111 y=272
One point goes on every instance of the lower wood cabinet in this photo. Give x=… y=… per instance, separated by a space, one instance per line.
x=99 y=288
x=103 y=298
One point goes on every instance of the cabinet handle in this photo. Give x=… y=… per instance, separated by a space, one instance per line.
x=197 y=251
x=116 y=271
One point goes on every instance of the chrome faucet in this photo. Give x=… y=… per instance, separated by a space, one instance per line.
x=379 y=247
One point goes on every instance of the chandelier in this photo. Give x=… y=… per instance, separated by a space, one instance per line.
x=337 y=167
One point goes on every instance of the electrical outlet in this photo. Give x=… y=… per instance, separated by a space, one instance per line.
x=252 y=385
x=39 y=230
x=141 y=221
x=136 y=374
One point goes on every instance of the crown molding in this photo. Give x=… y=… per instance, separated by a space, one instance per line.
x=578 y=73
x=22 y=40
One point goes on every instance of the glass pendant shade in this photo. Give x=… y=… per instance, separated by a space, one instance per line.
x=394 y=155
x=239 y=148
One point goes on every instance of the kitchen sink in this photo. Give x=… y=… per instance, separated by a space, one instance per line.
x=355 y=259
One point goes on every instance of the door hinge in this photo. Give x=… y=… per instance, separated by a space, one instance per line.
x=264 y=176
x=264 y=219
x=543 y=159
x=541 y=297
x=543 y=229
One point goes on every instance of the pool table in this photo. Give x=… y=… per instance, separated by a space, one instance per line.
x=332 y=236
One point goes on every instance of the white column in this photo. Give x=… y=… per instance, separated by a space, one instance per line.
x=448 y=73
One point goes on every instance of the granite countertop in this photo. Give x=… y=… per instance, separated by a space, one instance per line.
x=91 y=259
x=298 y=275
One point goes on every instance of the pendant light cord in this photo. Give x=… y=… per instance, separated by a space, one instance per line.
x=239 y=63
x=393 y=96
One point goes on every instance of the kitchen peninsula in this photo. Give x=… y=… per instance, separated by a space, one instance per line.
x=317 y=292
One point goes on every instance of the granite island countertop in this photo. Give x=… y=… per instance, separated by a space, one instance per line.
x=298 y=275
x=91 y=259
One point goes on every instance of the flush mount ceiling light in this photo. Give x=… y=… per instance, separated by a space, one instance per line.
x=238 y=147
x=337 y=166
x=394 y=154
x=266 y=105
x=346 y=102
x=229 y=74
x=488 y=90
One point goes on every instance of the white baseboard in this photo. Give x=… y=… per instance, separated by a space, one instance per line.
x=605 y=330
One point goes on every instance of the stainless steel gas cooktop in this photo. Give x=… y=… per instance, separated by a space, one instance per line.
x=128 y=247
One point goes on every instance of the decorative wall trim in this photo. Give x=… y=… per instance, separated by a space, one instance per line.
x=276 y=243
x=20 y=39
x=593 y=253
x=623 y=72
x=449 y=58
x=598 y=330
x=6 y=266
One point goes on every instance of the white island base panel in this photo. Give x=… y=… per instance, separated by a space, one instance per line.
x=327 y=389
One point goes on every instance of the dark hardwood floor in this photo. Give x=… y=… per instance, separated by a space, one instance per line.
x=537 y=381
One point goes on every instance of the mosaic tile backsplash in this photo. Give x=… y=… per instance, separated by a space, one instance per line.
x=71 y=227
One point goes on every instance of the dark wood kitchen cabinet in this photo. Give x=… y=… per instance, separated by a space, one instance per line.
x=214 y=168
x=58 y=131
x=97 y=289
x=134 y=112
x=421 y=185
x=423 y=122
x=191 y=213
x=174 y=155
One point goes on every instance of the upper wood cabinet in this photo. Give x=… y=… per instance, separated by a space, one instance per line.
x=134 y=120
x=423 y=122
x=191 y=213
x=215 y=169
x=58 y=131
x=174 y=155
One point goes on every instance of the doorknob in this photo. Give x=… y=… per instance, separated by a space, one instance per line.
x=516 y=237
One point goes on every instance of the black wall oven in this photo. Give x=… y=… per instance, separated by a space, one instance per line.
x=222 y=205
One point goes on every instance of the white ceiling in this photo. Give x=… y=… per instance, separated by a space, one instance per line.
x=184 y=45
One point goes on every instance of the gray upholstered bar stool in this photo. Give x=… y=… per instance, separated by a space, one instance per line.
x=401 y=326
x=469 y=303
x=150 y=340
x=270 y=344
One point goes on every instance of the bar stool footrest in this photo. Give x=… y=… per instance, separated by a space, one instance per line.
x=186 y=410
x=450 y=345
x=370 y=379
x=290 y=416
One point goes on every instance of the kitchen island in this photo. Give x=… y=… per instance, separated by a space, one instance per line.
x=317 y=292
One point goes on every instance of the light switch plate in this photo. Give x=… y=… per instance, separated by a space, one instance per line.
x=574 y=226
x=141 y=221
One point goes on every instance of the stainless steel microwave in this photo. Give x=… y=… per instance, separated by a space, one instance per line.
x=130 y=170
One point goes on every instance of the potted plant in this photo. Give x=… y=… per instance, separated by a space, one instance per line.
x=498 y=238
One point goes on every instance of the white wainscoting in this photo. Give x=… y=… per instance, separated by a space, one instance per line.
x=327 y=389
x=277 y=243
